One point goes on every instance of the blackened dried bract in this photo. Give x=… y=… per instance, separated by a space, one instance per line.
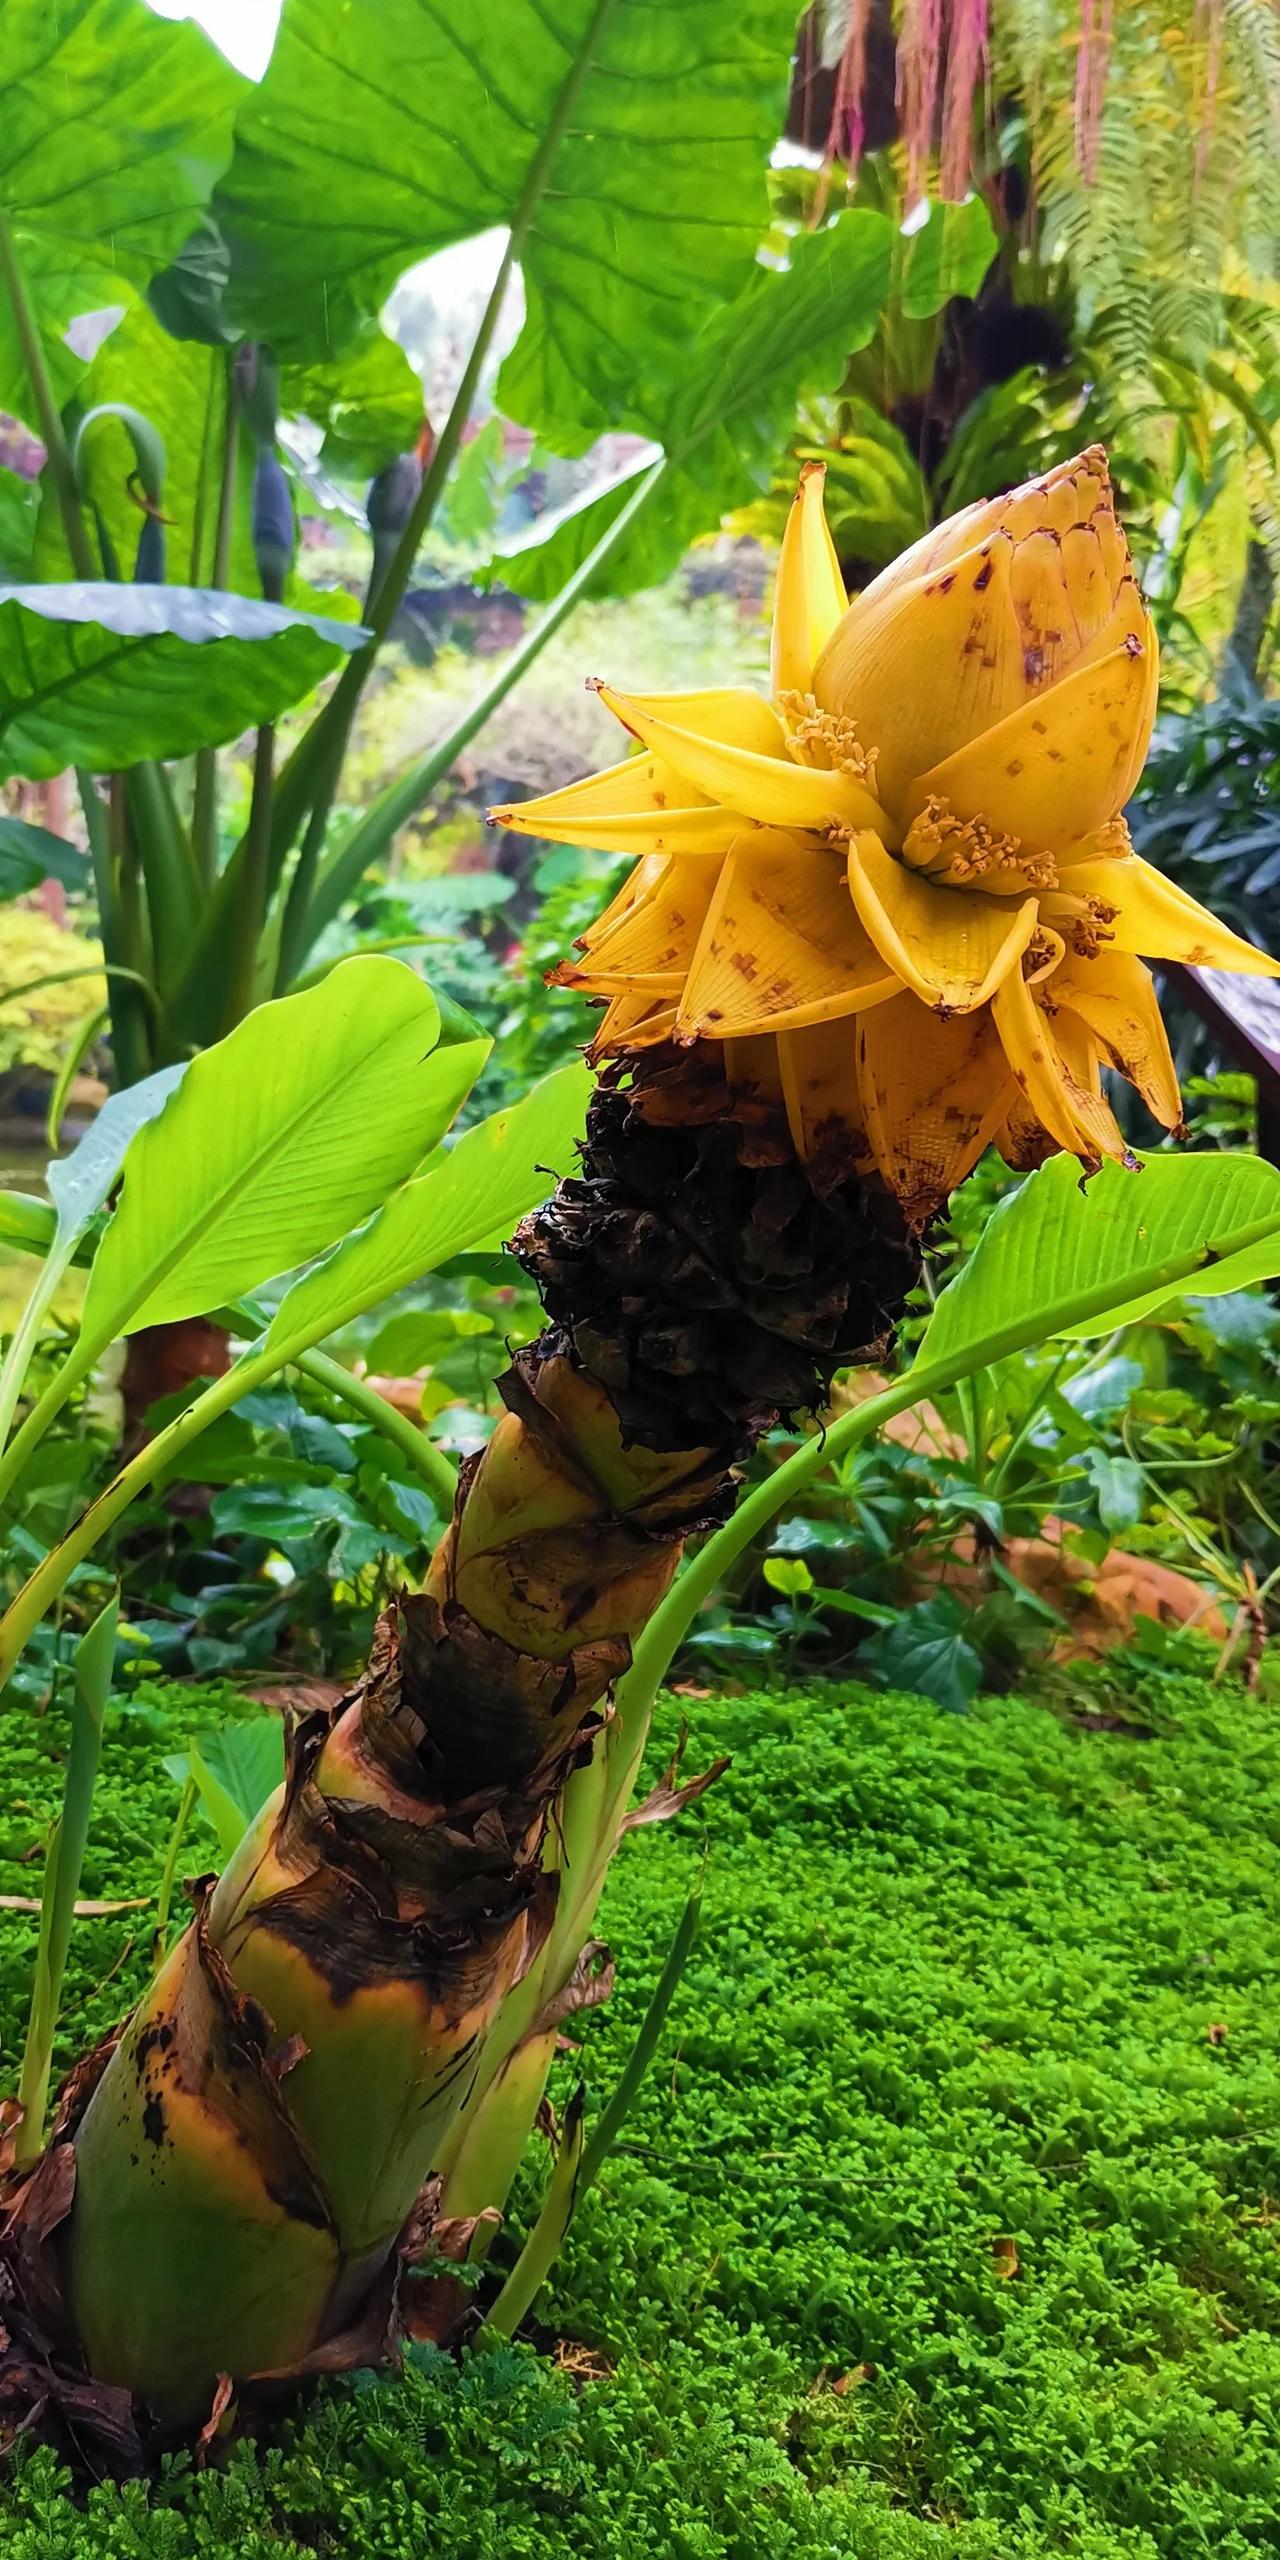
x=696 y=1272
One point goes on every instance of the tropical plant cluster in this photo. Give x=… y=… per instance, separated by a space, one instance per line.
x=759 y=1224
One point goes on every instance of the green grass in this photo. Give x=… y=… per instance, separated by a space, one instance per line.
x=955 y=1988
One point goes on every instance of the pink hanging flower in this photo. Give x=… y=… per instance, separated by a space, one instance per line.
x=966 y=68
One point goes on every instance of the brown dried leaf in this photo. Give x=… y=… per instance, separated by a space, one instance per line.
x=83 y=1910
x=11 y=2115
x=1004 y=2256
x=588 y=1986
x=670 y=1796
x=850 y=2381
x=1218 y=2032
x=213 y=2426
x=583 y=2364
x=460 y=2237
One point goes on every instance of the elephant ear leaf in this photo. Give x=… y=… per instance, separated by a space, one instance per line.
x=115 y=125
x=107 y=676
x=30 y=854
x=788 y=334
x=625 y=146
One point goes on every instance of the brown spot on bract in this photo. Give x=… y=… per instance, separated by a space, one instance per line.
x=153 y=2124
x=1014 y=765
x=983 y=578
x=1033 y=664
x=946 y=584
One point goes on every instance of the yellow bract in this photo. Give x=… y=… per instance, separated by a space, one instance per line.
x=901 y=893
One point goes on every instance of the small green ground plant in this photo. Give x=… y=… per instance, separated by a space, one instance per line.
x=944 y=2229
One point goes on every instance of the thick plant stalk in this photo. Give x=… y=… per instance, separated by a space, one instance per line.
x=235 y=2184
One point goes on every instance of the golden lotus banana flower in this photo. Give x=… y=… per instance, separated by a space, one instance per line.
x=901 y=893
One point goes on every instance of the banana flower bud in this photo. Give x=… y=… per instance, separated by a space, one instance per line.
x=901 y=892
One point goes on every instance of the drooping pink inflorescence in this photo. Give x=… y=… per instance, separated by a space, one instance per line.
x=1093 y=53
x=848 y=121
x=919 y=75
x=966 y=68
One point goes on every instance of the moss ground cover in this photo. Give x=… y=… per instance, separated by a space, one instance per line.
x=944 y=2226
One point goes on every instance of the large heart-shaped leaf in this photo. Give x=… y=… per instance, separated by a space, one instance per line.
x=722 y=424
x=300 y=1121
x=30 y=854
x=114 y=126
x=626 y=143
x=106 y=676
x=1127 y=1242
x=19 y=499
x=367 y=398
x=470 y=1200
x=946 y=254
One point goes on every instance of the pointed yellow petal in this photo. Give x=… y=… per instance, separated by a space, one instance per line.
x=1076 y=1118
x=932 y=1094
x=781 y=945
x=728 y=715
x=652 y=943
x=1058 y=767
x=632 y=1022
x=1114 y=996
x=637 y=885
x=639 y=806
x=1142 y=911
x=951 y=946
x=751 y=1070
x=768 y=788
x=819 y=1068
x=809 y=598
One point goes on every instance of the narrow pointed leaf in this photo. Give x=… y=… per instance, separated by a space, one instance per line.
x=299 y=1122
x=1054 y=1240
x=469 y=1201
x=91 y=1690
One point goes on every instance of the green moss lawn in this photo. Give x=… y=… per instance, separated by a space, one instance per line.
x=948 y=2227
